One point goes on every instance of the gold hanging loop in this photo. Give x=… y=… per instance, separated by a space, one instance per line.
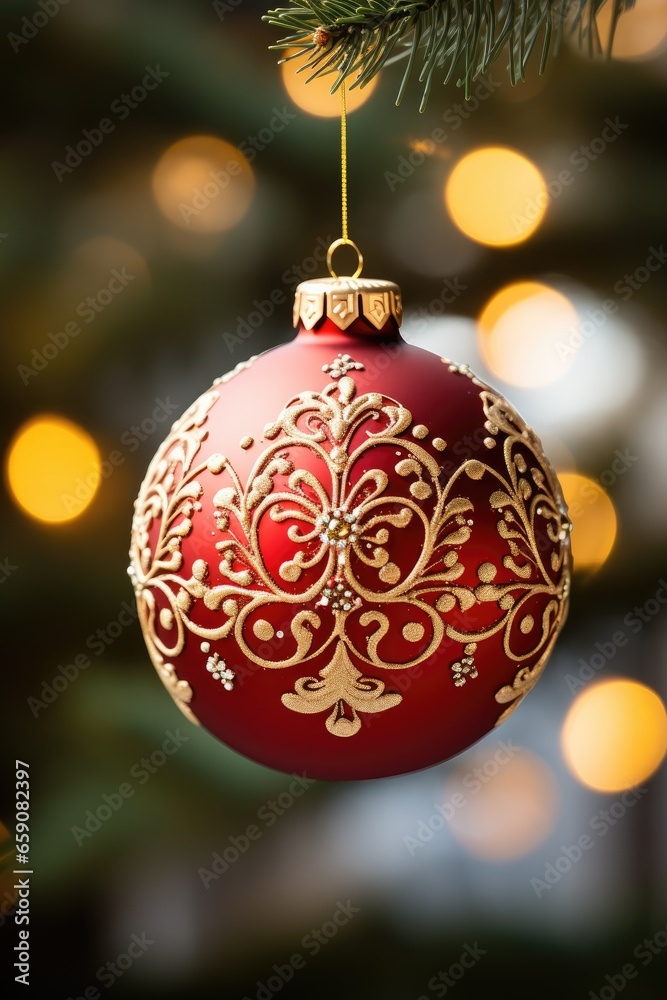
x=344 y=243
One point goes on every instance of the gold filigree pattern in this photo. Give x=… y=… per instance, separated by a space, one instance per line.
x=180 y=691
x=340 y=687
x=169 y=498
x=319 y=483
x=530 y=491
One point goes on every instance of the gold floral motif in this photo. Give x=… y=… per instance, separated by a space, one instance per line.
x=341 y=365
x=340 y=687
x=318 y=480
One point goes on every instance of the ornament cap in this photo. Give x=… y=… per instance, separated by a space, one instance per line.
x=342 y=300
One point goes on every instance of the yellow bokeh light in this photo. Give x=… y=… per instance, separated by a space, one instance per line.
x=501 y=807
x=615 y=735
x=641 y=33
x=203 y=184
x=315 y=97
x=593 y=518
x=496 y=196
x=520 y=330
x=53 y=468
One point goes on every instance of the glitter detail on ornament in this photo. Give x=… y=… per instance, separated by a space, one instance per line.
x=219 y=671
x=413 y=632
x=180 y=690
x=526 y=624
x=263 y=630
x=487 y=572
x=458 y=369
x=465 y=667
x=337 y=596
x=338 y=528
x=390 y=573
x=342 y=365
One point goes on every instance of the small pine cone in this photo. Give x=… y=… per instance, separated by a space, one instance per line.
x=321 y=37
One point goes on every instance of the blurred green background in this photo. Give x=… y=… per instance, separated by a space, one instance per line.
x=157 y=342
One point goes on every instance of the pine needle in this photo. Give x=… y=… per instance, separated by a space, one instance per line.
x=457 y=39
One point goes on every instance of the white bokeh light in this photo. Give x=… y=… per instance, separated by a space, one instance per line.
x=604 y=378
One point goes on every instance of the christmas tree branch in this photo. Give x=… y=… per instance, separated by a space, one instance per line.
x=445 y=38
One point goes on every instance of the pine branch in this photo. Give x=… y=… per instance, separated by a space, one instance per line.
x=448 y=38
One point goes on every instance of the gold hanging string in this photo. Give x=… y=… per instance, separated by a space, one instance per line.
x=343 y=161
x=345 y=239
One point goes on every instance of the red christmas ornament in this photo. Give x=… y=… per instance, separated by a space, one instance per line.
x=351 y=557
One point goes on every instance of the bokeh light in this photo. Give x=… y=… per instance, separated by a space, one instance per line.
x=496 y=196
x=53 y=468
x=203 y=184
x=641 y=32
x=506 y=806
x=520 y=330
x=315 y=97
x=615 y=735
x=593 y=518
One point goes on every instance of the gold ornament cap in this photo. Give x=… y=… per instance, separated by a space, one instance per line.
x=343 y=300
